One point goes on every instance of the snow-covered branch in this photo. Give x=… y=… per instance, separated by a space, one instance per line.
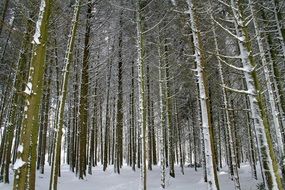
x=231 y=66
x=228 y=31
x=247 y=92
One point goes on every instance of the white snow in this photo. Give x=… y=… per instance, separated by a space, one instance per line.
x=19 y=163
x=129 y=180
x=173 y=2
x=212 y=183
x=11 y=21
x=20 y=148
x=37 y=34
x=28 y=89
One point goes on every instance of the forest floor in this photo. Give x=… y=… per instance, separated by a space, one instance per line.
x=129 y=180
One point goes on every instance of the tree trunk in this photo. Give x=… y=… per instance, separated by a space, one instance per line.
x=83 y=125
x=213 y=183
x=62 y=98
x=262 y=129
x=140 y=26
x=26 y=159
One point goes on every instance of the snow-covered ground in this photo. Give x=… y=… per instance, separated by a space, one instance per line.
x=129 y=180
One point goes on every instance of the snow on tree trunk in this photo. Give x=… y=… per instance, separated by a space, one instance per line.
x=261 y=126
x=279 y=29
x=141 y=88
x=25 y=172
x=199 y=58
x=168 y=110
x=62 y=98
x=272 y=103
x=162 y=121
x=17 y=101
x=228 y=120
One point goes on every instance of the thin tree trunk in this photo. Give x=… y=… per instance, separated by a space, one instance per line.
x=140 y=26
x=83 y=125
x=120 y=115
x=62 y=98
x=5 y=8
x=107 y=121
x=212 y=180
x=162 y=119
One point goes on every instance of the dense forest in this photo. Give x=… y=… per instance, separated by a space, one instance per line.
x=170 y=83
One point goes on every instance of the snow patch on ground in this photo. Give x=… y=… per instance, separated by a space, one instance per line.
x=129 y=180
